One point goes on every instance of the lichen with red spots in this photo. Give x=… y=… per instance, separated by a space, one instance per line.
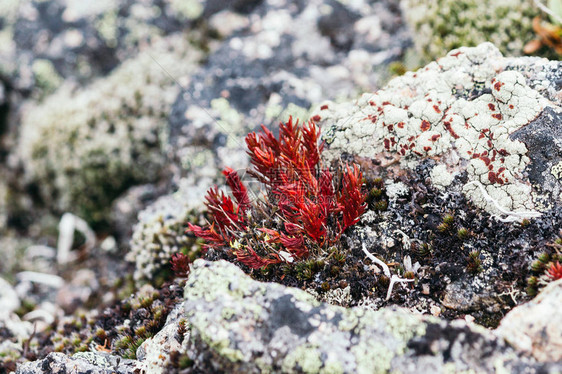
x=465 y=105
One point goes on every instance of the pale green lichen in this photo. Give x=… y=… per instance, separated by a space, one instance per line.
x=304 y=358
x=82 y=148
x=332 y=367
x=187 y=9
x=46 y=76
x=307 y=298
x=230 y=119
x=216 y=338
x=228 y=313
x=441 y=25
x=403 y=326
x=372 y=357
x=349 y=322
x=314 y=341
x=108 y=29
x=556 y=170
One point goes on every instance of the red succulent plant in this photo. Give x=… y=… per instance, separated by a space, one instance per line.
x=304 y=207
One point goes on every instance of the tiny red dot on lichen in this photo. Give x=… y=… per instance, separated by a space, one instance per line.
x=425 y=125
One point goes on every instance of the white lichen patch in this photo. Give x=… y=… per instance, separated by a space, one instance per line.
x=463 y=104
x=556 y=170
x=441 y=177
x=83 y=147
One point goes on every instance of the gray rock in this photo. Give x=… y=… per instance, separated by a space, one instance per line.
x=289 y=57
x=63 y=39
x=474 y=112
x=8 y=297
x=536 y=327
x=87 y=362
x=239 y=325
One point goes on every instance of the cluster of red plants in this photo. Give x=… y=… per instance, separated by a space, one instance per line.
x=305 y=207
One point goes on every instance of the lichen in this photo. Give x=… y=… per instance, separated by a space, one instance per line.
x=461 y=109
x=160 y=233
x=82 y=148
x=439 y=26
x=187 y=9
x=46 y=77
x=556 y=170
x=305 y=358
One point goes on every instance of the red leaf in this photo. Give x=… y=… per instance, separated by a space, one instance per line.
x=250 y=258
x=238 y=189
x=351 y=199
x=209 y=234
x=180 y=264
x=222 y=209
x=311 y=136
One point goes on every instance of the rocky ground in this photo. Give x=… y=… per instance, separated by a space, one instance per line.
x=117 y=117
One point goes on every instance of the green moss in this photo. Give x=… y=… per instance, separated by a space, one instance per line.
x=442 y=25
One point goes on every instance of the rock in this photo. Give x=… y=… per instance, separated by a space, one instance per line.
x=535 y=327
x=154 y=354
x=8 y=297
x=93 y=362
x=464 y=297
x=287 y=58
x=241 y=325
x=542 y=139
x=63 y=39
x=467 y=111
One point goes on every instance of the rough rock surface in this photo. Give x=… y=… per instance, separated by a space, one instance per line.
x=263 y=60
x=61 y=39
x=240 y=325
x=87 y=362
x=279 y=62
x=535 y=326
x=471 y=111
